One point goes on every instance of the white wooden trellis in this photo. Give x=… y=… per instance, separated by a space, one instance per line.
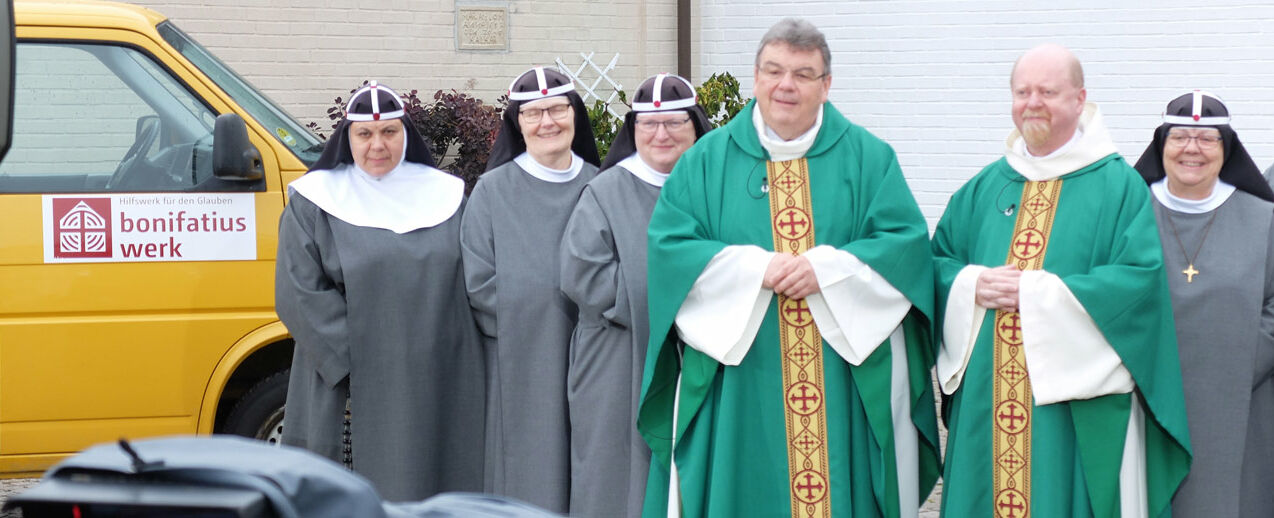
x=590 y=90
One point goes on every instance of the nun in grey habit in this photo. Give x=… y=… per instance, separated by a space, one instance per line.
x=509 y=240
x=1216 y=225
x=369 y=283
x=604 y=274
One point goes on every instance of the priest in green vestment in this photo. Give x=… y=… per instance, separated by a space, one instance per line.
x=718 y=408
x=1086 y=326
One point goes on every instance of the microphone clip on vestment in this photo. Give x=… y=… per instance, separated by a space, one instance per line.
x=1012 y=206
x=764 y=185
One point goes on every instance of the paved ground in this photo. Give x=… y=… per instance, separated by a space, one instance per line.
x=930 y=509
x=13 y=486
x=17 y=485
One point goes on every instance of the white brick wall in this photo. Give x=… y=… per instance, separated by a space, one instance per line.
x=305 y=53
x=931 y=77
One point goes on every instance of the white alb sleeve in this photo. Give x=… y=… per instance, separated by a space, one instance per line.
x=855 y=309
x=725 y=307
x=1067 y=356
x=960 y=326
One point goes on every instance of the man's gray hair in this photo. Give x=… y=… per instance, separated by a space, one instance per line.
x=799 y=34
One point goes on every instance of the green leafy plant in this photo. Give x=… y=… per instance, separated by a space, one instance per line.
x=720 y=97
x=605 y=125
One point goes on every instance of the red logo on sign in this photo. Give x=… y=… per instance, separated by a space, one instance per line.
x=82 y=227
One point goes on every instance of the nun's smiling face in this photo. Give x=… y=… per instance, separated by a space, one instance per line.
x=661 y=138
x=548 y=127
x=1192 y=159
x=377 y=146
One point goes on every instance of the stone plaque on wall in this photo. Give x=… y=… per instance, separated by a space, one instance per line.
x=482 y=27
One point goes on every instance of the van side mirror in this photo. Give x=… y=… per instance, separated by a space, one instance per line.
x=234 y=157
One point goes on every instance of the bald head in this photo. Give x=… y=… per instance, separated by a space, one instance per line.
x=1055 y=55
x=1048 y=97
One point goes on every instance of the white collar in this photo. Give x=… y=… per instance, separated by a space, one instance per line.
x=536 y=169
x=1090 y=143
x=1020 y=147
x=1220 y=192
x=412 y=196
x=639 y=168
x=782 y=150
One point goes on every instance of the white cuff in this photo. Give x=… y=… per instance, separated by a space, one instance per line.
x=1067 y=356
x=725 y=307
x=856 y=309
x=960 y=327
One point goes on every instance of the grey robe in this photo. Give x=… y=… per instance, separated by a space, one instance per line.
x=382 y=316
x=510 y=235
x=1225 y=331
x=604 y=273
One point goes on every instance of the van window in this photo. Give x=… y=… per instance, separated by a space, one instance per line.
x=104 y=118
x=292 y=134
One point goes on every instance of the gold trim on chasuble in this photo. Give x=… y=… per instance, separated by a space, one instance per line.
x=1011 y=412
x=792 y=221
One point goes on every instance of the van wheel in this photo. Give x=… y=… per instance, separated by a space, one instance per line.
x=259 y=413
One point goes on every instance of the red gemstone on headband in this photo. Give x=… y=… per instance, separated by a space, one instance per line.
x=544 y=91
x=1196 y=118
x=656 y=104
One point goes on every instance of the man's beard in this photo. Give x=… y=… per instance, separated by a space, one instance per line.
x=1036 y=131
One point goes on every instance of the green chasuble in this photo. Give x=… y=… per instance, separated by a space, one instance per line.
x=731 y=452
x=1104 y=247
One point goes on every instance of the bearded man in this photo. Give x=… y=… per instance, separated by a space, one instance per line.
x=1059 y=353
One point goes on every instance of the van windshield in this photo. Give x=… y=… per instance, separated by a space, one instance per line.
x=285 y=129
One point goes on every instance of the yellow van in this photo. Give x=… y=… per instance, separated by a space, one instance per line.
x=138 y=215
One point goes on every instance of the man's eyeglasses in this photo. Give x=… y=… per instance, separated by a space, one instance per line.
x=556 y=112
x=1180 y=139
x=670 y=125
x=802 y=76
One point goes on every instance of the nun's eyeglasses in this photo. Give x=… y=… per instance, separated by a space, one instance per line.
x=670 y=126
x=1180 y=139
x=557 y=112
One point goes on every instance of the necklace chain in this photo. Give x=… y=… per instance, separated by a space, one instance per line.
x=1190 y=272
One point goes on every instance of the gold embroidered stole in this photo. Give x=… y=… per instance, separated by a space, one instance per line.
x=792 y=222
x=1011 y=412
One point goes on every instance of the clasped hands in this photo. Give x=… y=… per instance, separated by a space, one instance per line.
x=997 y=288
x=790 y=275
x=793 y=276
